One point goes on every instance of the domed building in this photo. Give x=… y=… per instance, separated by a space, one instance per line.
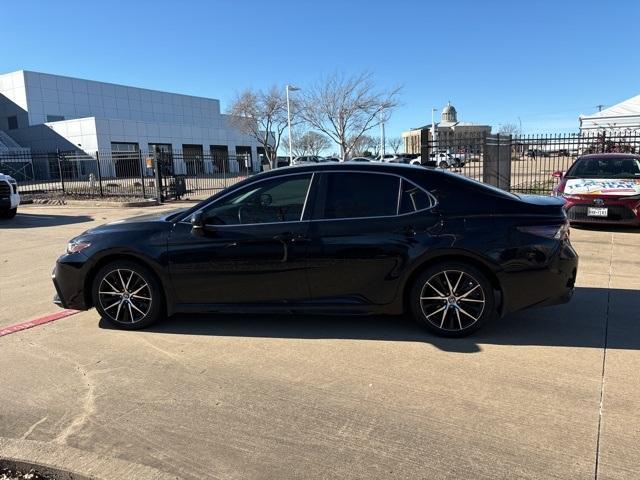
x=450 y=134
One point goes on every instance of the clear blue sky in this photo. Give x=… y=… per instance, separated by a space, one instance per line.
x=544 y=62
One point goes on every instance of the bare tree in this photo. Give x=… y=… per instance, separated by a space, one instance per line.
x=509 y=129
x=395 y=143
x=263 y=116
x=365 y=145
x=310 y=143
x=345 y=108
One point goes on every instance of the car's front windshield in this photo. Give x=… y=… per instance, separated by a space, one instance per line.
x=602 y=167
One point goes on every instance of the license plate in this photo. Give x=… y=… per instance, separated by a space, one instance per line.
x=597 y=212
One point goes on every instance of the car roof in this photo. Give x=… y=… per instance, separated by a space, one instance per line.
x=398 y=168
x=608 y=156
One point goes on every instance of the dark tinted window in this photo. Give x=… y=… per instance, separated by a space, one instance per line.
x=13 y=122
x=413 y=198
x=353 y=195
x=277 y=200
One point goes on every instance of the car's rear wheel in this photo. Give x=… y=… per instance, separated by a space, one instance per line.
x=8 y=213
x=443 y=164
x=452 y=299
x=127 y=295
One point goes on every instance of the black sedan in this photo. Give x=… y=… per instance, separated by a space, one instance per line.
x=344 y=238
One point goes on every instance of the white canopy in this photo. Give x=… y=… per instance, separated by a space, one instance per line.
x=622 y=116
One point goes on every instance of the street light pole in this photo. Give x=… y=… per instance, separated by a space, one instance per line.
x=433 y=130
x=382 y=142
x=288 y=89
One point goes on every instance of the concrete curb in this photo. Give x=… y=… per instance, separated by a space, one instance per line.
x=92 y=203
x=68 y=463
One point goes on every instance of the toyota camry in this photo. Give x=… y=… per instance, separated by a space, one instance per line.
x=349 y=238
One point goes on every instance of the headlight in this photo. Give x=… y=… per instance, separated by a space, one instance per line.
x=75 y=247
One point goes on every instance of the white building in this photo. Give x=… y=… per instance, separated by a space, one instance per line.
x=50 y=112
x=619 y=119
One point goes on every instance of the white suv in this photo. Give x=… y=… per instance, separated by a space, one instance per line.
x=9 y=196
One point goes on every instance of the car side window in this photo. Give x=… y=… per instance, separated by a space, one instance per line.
x=270 y=201
x=356 y=195
x=413 y=199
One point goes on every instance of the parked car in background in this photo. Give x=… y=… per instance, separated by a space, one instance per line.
x=536 y=153
x=9 y=196
x=446 y=160
x=348 y=238
x=307 y=159
x=361 y=159
x=602 y=188
x=331 y=159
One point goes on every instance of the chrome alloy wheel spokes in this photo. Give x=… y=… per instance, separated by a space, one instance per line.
x=452 y=300
x=124 y=296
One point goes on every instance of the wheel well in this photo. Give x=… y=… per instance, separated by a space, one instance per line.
x=491 y=276
x=88 y=282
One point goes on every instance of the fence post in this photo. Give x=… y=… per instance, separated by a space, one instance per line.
x=99 y=173
x=142 y=166
x=158 y=174
x=60 y=169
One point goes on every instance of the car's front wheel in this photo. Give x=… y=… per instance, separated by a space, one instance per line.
x=127 y=295
x=452 y=299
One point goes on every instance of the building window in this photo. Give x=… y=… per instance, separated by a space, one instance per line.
x=55 y=118
x=126 y=159
x=13 y=122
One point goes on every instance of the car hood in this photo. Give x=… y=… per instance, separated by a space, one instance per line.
x=602 y=186
x=137 y=222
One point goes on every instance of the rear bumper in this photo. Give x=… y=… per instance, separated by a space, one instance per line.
x=68 y=279
x=551 y=285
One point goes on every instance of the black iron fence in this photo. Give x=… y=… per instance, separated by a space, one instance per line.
x=519 y=163
x=522 y=163
x=124 y=174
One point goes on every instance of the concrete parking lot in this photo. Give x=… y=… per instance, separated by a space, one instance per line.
x=548 y=393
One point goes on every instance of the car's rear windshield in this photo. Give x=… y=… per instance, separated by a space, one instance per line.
x=472 y=183
x=620 y=167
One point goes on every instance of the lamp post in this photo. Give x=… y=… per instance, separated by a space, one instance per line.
x=382 y=139
x=433 y=130
x=290 y=88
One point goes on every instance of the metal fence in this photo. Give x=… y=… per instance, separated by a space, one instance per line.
x=517 y=163
x=522 y=163
x=124 y=174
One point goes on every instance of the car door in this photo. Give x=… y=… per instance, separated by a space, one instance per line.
x=252 y=248
x=363 y=235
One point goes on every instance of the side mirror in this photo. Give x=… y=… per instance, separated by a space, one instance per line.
x=557 y=174
x=197 y=221
x=199 y=226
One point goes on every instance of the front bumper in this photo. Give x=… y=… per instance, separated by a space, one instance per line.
x=552 y=285
x=621 y=211
x=68 y=278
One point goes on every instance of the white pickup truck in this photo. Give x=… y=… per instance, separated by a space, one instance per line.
x=9 y=196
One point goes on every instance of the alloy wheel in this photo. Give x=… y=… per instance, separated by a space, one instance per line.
x=125 y=296
x=452 y=300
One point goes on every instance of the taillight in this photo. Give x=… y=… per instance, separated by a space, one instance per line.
x=557 y=232
x=558 y=191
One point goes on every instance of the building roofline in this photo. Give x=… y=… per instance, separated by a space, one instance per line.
x=110 y=83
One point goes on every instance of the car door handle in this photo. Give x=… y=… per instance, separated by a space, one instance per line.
x=409 y=231
x=289 y=237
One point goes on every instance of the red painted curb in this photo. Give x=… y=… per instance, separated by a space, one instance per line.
x=38 y=321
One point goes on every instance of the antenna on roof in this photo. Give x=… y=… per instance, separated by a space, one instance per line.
x=600 y=107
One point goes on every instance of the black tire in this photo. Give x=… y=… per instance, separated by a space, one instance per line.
x=443 y=164
x=9 y=213
x=457 y=315
x=141 y=300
